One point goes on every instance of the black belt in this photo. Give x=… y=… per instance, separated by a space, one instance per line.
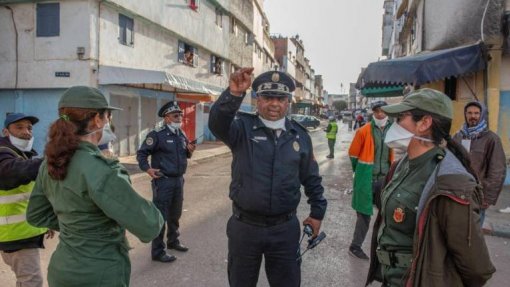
x=261 y=220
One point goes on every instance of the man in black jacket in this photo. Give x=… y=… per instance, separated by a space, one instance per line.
x=169 y=149
x=19 y=241
x=272 y=158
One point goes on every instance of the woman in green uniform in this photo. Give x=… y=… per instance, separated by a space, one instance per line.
x=427 y=231
x=88 y=198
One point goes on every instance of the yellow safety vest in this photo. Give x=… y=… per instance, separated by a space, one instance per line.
x=332 y=133
x=13 y=209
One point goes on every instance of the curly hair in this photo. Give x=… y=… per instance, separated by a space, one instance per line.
x=64 y=138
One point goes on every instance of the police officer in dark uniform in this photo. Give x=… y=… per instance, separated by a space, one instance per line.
x=272 y=158
x=169 y=149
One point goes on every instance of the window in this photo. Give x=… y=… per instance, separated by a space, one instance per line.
x=450 y=87
x=234 y=29
x=188 y=54
x=219 y=18
x=48 y=20
x=194 y=4
x=126 y=35
x=249 y=38
x=216 y=65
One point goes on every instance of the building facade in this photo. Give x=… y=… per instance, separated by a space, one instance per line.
x=141 y=54
x=457 y=47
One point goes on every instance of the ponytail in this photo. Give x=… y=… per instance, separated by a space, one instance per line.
x=441 y=133
x=64 y=138
x=461 y=154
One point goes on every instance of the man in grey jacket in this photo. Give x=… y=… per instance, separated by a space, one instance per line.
x=485 y=152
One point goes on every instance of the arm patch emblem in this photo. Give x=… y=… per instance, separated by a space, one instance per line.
x=149 y=141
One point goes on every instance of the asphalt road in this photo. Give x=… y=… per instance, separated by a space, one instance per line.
x=207 y=209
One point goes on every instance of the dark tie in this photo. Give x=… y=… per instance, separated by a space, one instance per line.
x=275 y=133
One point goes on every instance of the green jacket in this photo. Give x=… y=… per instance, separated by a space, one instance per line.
x=91 y=208
x=449 y=248
x=362 y=154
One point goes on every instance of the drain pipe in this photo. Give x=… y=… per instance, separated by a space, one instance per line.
x=16 y=46
x=486 y=58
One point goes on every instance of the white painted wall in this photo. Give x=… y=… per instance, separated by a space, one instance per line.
x=156 y=48
x=40 y=57
x=258 y=31
x=175 y=15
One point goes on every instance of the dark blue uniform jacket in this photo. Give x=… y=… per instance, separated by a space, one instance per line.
x=17 y=169
x=267 y=173
x=167 y=150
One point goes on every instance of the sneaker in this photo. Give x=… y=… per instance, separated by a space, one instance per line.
x=358 y=253
x=505 y=210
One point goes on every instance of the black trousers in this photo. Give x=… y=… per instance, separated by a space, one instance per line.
x=363 y=220
x=331 y=144
x=360 y=230
x=278 y=244
x=167 y=195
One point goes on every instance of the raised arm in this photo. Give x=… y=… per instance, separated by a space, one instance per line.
x=224 y=109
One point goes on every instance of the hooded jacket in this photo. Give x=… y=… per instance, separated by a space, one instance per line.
x=487 y=157
x=448 y=248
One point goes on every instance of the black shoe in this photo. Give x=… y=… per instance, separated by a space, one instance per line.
x=178 y=247
x=165 y=258
x=358 y=253
x=330 y=156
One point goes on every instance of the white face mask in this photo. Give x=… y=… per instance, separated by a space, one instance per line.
x=108 y=135
x=176 y=125
x=274 y=125
x=381 y=123
x=21 y=144
x=399 y=138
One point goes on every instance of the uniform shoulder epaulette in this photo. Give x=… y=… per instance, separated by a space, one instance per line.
x=244 y=113
x=294 y=122
x=158 y=129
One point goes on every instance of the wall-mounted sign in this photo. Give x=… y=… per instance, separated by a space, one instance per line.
x=63 y=74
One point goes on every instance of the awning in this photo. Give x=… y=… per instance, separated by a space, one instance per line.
x=303 y=105
x=194 y=97
x=424 y=68
x=110 y=75
x=389 y=91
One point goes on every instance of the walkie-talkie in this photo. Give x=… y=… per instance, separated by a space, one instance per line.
x=195 y=140
x=312 y=242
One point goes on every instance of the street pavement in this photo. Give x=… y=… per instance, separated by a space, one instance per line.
x=207 y=209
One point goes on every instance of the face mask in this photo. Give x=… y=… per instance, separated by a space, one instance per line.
x=21 y=144
x=274 y=125
x=399 y=138
x=381 y=123
x=108 y=135
x=176 y=125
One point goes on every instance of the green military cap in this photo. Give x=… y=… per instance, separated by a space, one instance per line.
x=428 y=100
x=84 y=97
